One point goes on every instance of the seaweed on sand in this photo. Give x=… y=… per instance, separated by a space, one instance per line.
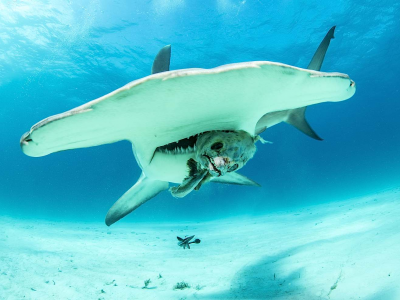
x=181 y=285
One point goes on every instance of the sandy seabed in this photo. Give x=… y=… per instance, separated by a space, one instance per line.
x=341 y=250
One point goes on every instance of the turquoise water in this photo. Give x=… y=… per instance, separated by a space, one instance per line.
x=319 y=227
x=56 y=55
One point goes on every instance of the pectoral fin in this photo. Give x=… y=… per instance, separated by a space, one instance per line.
x=234 y=178
x=297 y=118
x=143 y=190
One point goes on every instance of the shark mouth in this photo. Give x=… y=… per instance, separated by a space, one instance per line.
x=212 y=165
x=183 y=146
x=186 y=145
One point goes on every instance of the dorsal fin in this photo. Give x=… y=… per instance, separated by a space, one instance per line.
x=297 y=118
x=319 y=55
x=162 y=60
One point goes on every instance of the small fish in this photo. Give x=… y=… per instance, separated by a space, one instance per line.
x=185 y=242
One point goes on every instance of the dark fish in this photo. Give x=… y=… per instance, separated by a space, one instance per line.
x=185 y=242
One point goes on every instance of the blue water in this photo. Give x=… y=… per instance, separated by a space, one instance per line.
x=56 y=55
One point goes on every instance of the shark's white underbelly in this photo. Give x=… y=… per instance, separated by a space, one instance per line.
x=168 y=167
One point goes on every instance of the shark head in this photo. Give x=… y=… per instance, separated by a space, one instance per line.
x=221 y=152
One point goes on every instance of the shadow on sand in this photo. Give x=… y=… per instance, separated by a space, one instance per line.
x=277 y=277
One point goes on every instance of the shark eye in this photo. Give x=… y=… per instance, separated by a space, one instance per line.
x=217 y=146
x=233 y=168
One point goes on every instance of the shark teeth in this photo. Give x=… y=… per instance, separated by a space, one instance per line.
x=183 y=146
x=179 y=150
